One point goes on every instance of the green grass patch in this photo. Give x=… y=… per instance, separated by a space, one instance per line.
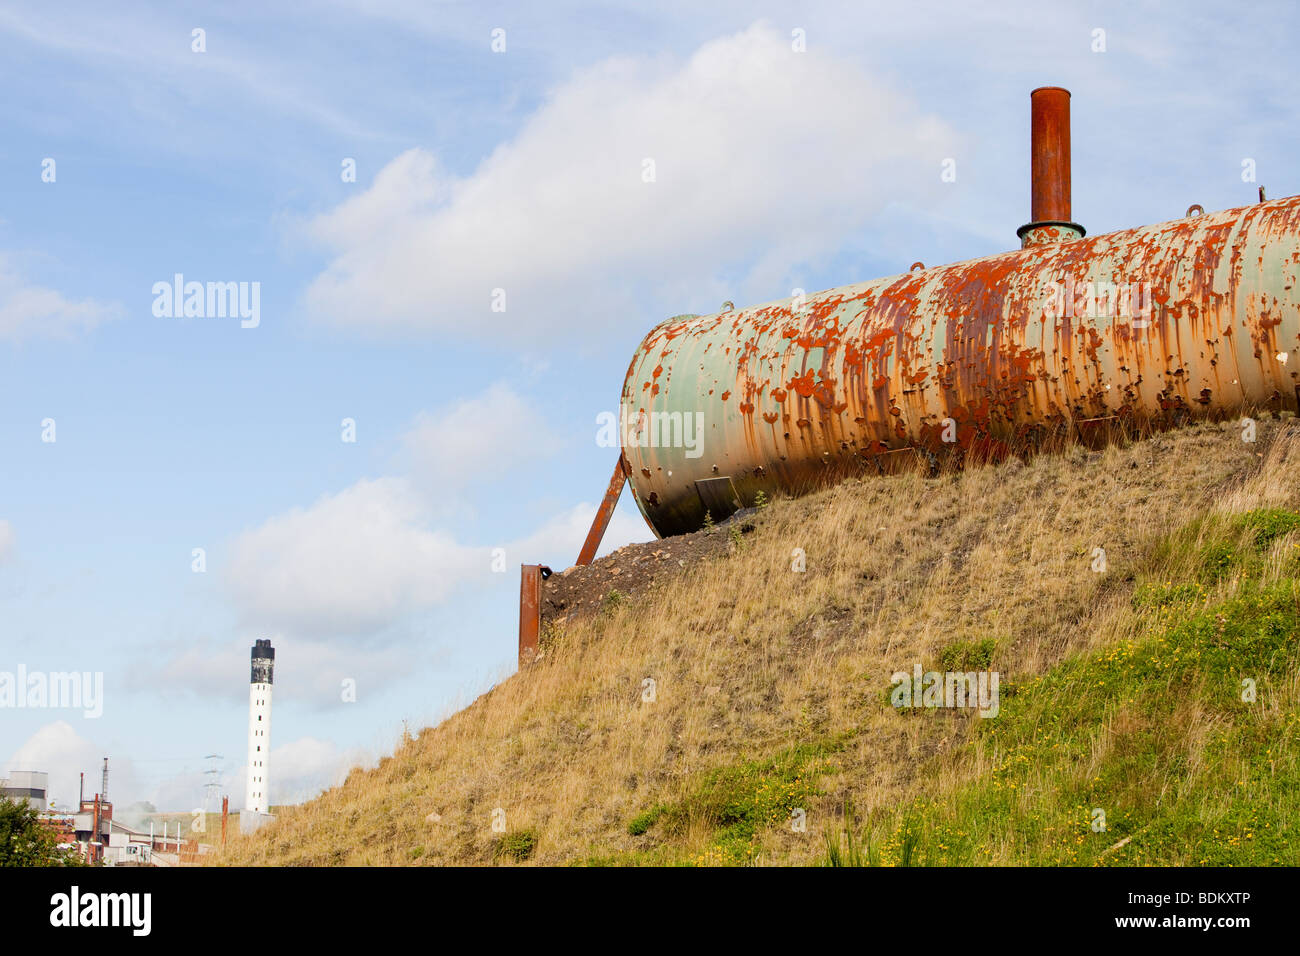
x=968 y=655
x=518 y=845
x=735 y=804
x=738 y=802
x=1220 y=546
x=644 y=821
x=1218 y=560
x=1269 y=524
x=1239 y=544
x=1143 y=753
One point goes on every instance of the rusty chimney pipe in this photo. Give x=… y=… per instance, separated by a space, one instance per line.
x=1050 y=169
x=1050 y=150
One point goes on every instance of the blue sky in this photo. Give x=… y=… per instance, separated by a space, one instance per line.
x=476 y=170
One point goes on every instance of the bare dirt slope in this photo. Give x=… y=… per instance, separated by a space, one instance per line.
x=635 y=569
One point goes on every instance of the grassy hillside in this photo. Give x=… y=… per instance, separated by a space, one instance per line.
x=1122 y=678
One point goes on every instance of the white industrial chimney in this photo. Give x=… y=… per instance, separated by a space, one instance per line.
x=257 y=793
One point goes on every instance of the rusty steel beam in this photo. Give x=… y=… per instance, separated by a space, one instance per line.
x=604 y=513
x=530 y=611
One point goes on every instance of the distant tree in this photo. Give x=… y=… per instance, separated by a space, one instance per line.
x=25 y=840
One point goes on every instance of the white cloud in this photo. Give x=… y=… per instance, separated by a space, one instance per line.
x=344 y=615
x=349 y=582
x=357 y=563
x=558 y=541
x=7 y=541
x=32 y=311
x=198 y=665
x=301 y=769
x=476 y=439
x=758 y=152
x=57 y=749
x=353 y=566
x=350 y=564
x=310 y=671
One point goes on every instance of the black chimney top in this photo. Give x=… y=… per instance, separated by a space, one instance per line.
x=263 y=667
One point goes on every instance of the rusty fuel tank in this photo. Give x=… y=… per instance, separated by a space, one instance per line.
x=1191 y=318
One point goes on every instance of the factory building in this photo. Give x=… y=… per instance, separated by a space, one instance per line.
x=32 y=785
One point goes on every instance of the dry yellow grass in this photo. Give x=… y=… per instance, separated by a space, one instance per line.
x=750 y=658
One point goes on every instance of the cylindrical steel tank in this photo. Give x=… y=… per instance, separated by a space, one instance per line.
x=1193 y=317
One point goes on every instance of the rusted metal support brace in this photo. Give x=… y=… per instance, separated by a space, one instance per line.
x=530 y=611
x=604 y=512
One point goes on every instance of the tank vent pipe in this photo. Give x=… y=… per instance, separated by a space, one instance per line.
x=1049 y=149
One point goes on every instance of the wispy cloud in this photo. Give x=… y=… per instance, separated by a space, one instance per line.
x=349 y=564
x=162 y=53
x=477 y=439
x=29 y=311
